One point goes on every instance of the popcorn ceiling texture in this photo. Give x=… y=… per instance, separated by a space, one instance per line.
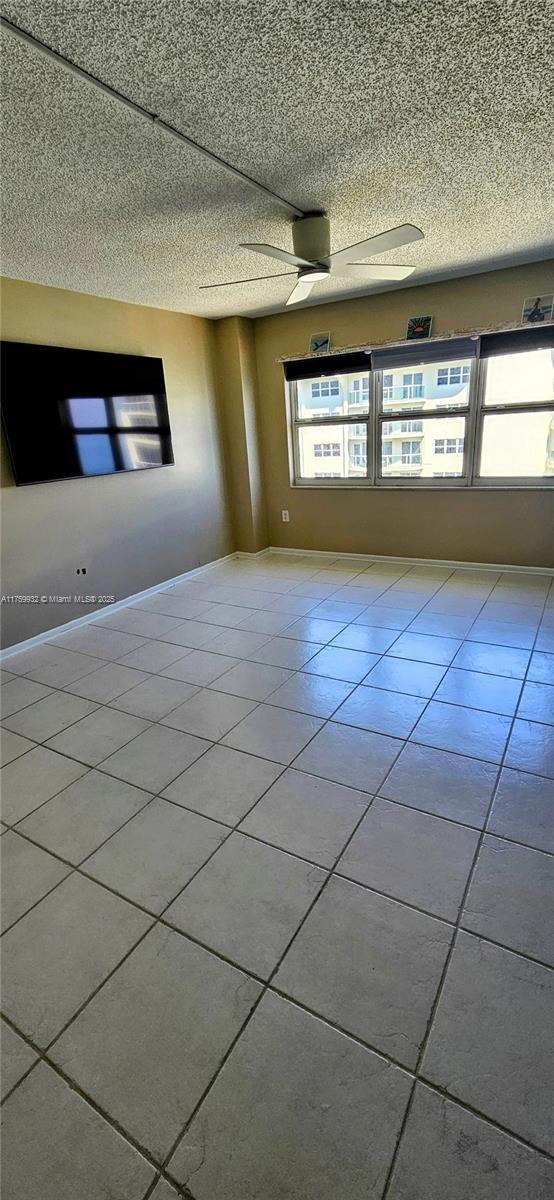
x=438 y=114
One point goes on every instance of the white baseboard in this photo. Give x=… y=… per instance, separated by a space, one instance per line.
x=97 y=613
x=414 y=562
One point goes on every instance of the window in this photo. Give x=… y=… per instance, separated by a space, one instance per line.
x=449 y=445
x=461 y=413
x=112 y=432
x=516 y=416
x=448 y=376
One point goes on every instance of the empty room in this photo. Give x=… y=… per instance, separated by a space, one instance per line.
x=277 y=600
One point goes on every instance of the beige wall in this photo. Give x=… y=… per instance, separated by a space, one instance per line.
x=478 y=525
x=133 y=530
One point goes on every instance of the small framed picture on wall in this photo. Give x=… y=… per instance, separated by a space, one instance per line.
x=537 y=309
x=418 y=328
x=319 y=343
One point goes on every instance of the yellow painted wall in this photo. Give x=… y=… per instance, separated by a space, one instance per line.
x=131 y=530
x=467 y=524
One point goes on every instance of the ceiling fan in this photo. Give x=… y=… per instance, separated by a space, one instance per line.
x=312 y=257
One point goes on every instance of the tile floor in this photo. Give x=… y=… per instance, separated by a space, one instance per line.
x=277 y=853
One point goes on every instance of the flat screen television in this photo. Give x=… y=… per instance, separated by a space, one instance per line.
x=68 y=414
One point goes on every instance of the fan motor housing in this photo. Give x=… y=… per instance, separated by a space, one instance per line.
x=311 y=237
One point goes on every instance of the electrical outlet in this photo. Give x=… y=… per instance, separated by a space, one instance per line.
x=81 y=570
x=285 y=514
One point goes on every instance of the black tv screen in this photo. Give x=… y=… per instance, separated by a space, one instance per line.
x=74 y=413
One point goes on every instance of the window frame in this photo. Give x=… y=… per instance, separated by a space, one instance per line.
x=377 y=417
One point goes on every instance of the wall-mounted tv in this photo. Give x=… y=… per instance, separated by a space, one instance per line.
x=74 y=413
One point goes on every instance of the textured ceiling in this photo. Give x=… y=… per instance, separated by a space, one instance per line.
x=439 y=114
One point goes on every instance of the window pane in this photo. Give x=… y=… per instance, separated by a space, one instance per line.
x=95 y=453
x=423 y=455
x=331 y=451
x=518 y=444
x=343 y=395
x=430 y=386
x=140 y=450
x=520 y=378
x=135 y=410
x=87 y=412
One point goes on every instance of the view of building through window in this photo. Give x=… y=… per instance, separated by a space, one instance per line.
x=423 y=419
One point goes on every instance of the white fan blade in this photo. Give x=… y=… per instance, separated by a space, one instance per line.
x=401 y=236
x=274 y=252
x=368 y=271
x=255 y=279
x=302 y=290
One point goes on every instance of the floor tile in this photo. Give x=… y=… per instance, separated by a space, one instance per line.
x=59 y=953
x=174 y=605
x=153 y=856
x=448 y=785
x=536 y=704
x=274 y=733
x=164 y=1191
x=531 y=748
x=337 y=663
x=155 y=697
x=545 y=641
x=57 y=1147
x=6 y=677
x=18 y=692
x=383 y=712
x=523 y=809
x=295 y=605
x=423 y=647
x=200 y=667
x=475 y=689
x=144 y=624
x=27 y=875
x=17 y=1058
x=495 y=660
x=60 y=667
x=451 y=727
x=193 y=634
x=286 y=652
x=352 y=1106
x=384 y=617
x=94 y=737
x=350 y=756
x=541 y=668
x=404 y=675
x=411 y=856
x=101 y=643
x=49 y=716
x=253 y=680
x=487 y=1043
x=511 y=898
x=77 y=820
x=107 y=682
x=503 y=633
x=447 y=1151
x=267 y=622
x=247 y=902
x=223 y=784
x=312 y=629
x=441 y=625
x=307 y=816
x=238 y=643
x=13 y=746
x=366 y=638
x=337 y=610
x=34 y=778
x=314 y=694
x=155 y=758
x=148 y=1044
x=209 y=714
x=227 y=615
x=370 y=965
x=154 y=656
